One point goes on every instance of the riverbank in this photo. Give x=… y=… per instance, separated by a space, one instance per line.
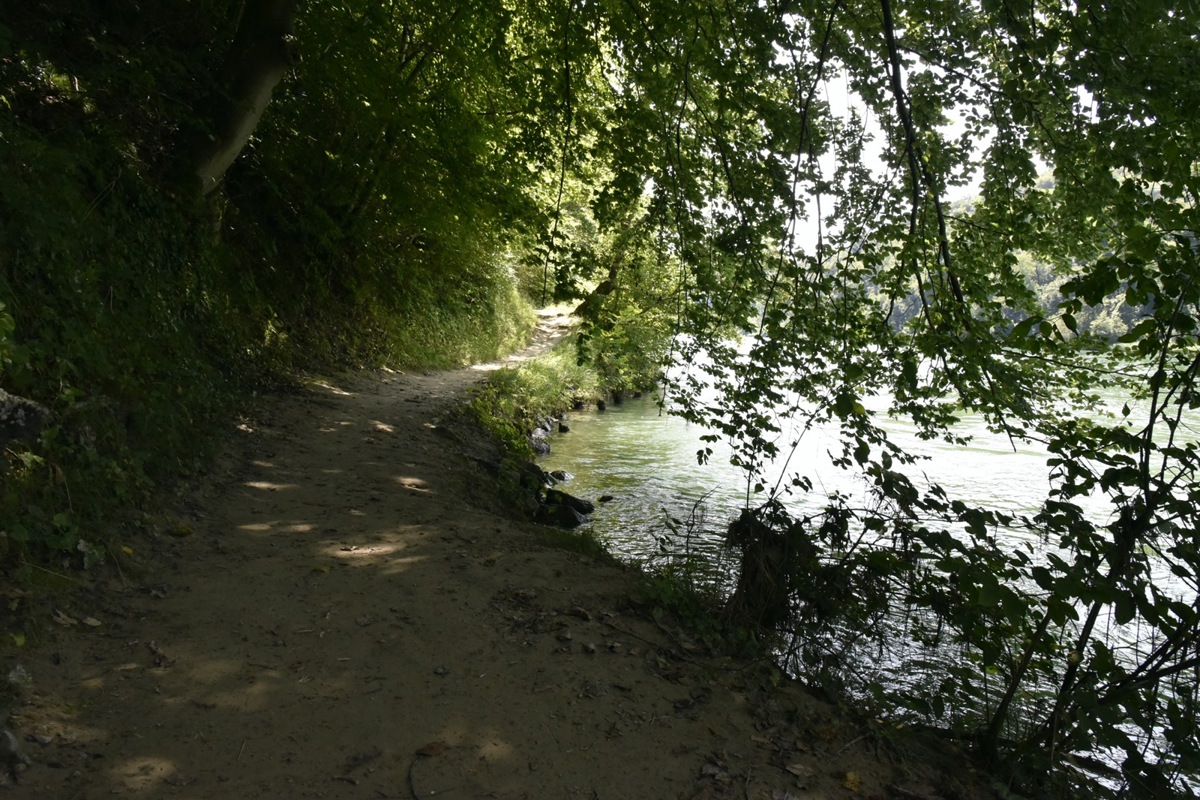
x=344 y=610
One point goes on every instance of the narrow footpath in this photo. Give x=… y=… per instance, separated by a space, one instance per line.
x=343 y=610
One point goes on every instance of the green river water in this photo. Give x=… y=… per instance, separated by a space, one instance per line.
x=646 y=459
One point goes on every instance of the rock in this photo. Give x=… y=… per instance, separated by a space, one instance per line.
x=562 y=428
x=606 y=498
x=561 y=515
x=529 y=504
x=534 y=477
x=578 y=405
x=561 y=498
x=601 y=405
x=540 y=446
x=12 y=760
x=561 y=476
x=20 y=418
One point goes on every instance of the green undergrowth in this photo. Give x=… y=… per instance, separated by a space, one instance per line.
x=508 y=407
x=680 y=590
x=699 y=611
x=144 y=335
x=471 y=331
x=515 y=399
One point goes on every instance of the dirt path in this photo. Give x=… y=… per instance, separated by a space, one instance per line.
x=342 y=613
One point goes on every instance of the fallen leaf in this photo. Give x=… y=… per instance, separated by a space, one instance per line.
x=717 y=774
x=161 y=659
x=433 y=749
x=92 y=622
x=800 y=770
x=62 y=619
x=852 y=781
x=180 y=530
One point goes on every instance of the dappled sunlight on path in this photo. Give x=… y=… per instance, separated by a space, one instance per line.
x=344 y=611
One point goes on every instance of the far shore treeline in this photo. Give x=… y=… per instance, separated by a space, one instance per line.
x=200 y=201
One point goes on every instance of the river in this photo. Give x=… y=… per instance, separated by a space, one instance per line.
x=646 y=460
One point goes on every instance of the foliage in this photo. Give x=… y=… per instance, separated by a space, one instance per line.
x=355 y=229
x=769 y=182
x=514 y=400
x=806 y=227
x=110 y=329
x=627 y=321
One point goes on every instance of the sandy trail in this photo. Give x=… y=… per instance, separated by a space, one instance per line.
x=342 y=611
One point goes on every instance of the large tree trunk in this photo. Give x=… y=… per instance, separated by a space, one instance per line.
x=257 y=61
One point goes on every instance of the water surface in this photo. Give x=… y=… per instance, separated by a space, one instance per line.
x=646 y=459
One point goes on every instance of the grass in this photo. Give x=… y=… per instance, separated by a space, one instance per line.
x=515 y=399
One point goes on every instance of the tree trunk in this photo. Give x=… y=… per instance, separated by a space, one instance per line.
x=256 y=62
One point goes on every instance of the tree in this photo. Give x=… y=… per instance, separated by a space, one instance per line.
x=254 y=64
x=803 y=227
x=768 y=180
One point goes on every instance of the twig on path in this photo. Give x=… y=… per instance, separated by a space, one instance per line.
x=851 y=743
x=412 y=786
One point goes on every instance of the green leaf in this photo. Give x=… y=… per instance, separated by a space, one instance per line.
x=1139 y=331
x=1124 y=609
x=990 y=592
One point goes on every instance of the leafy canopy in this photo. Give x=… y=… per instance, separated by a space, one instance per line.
x=797 y=162
x=819 y=202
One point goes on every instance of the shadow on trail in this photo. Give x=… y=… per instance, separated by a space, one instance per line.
x=351 y=617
